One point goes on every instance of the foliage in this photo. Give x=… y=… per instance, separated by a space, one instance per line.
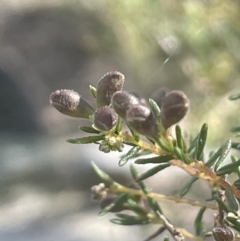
x=123 y=118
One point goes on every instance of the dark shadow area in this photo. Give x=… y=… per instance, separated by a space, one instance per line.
x=16 y=115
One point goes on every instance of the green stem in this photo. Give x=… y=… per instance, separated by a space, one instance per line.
x=158 y=196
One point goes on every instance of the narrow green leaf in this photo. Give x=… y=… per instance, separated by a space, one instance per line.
x=180 y=141
x=118 y=127
x=199 y=216
x=236 y=145
x=135 y=175
x=153 y=160
x=125 y=216
x=235 y=129
x=224 y=152
x=155 y=109
x=201 y=142
x=85 y=140
x=164 y=144
x=179 y=153
x=118 y=201
x=134 y=172
x=237 y=183
x=234 y=97
x=193 y=144
x=227 y=169
x=200 y=228
x=102 y=175
x=89 y=129
x=93 y=91
x=131 y=153
x=130 y=220
x=234 y=220
x=154 y=205
x=213 y=158
x=187 y=187
x=135 y=135
x=222 y=204
x=231 y=199
x=152 y=171
x=235 y=159
x=209 y=199
x=133 y=206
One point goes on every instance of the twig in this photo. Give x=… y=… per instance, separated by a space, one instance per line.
x=155 y=234
x=134 y=192
x=177 y=235
x=196 y=168
x=220 y=217
x=189 y=235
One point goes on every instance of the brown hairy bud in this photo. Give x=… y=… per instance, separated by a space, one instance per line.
x=159 y=95
x=107 y=86
x=174 y=107
x=122 y=101
x=142 y=100
x=70 y=103
x=223 y=233
x=141 y=119
x=105 y=118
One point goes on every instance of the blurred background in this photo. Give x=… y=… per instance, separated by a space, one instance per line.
x=191 y=45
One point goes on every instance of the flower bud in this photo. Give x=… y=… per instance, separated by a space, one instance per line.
x=141 y=119
x=122 y=101
x=98 y=191
x=140 y=98
x=159 y=95
x=105 y=118
x=107 y=86
x=223 y=233
x=104 y=146
x=70 y=103
x=174 y=107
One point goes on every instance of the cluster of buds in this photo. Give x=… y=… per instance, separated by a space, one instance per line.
x=151 y=119
x=99 y=191
x=114 y=203
x=113 y=105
